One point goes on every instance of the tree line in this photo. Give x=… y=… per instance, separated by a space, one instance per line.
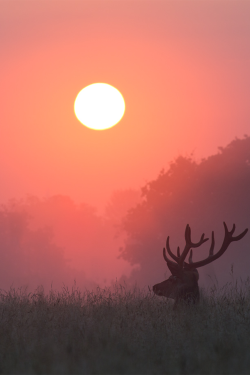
x=54 y=240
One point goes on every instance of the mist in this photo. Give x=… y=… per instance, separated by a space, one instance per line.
x=55 y=242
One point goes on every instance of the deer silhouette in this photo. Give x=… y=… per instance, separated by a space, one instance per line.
x=182 y=285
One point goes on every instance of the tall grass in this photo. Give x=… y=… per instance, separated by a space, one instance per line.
x=121 y=331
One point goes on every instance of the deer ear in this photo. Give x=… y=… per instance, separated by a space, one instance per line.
x=174 y=269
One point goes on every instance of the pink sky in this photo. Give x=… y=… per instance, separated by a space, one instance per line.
x=182 y=67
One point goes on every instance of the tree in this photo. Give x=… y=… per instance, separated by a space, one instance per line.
x=87 y=239
x=28 y=257
x=201 y=194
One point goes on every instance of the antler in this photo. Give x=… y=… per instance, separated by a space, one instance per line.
x=189 y=244
x=211 y=257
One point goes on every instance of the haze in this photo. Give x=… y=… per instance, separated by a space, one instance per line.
x=183 y=70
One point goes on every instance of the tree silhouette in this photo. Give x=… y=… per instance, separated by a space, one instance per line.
x=65 y=241
x=201 y=194
x=30 y=253
x=28 y=257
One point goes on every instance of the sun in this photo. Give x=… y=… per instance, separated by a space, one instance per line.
x=99 y=106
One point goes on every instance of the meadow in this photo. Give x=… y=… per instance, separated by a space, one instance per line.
x=122 y=331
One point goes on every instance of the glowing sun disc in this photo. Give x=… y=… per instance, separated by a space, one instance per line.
x=99 y=106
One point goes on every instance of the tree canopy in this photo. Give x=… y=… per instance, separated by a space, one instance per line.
x=202 y=194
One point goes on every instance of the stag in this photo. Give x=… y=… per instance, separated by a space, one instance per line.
x=182 y=285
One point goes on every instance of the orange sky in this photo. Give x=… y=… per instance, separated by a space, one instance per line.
x=182 y=67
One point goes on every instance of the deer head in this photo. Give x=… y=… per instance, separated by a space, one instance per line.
x=183 y=283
